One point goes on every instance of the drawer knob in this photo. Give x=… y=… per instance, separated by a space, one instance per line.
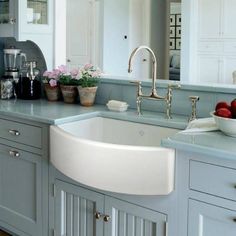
x=14 y=132
x=14 y=153
x=234 y=220
x=106 y=218
x=97 y=215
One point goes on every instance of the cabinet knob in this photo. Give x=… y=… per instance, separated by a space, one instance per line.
x=12 y=21
x=13 y=153
x=97 y=215
x=68 y=60
x=14 y=132
x=106 y=218
x=234 y=220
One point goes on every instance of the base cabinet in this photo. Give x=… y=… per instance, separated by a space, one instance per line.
x=79 y=211
x=20 y=190
x=209 y=220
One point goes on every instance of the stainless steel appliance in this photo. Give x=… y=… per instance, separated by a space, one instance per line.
x=13 y=60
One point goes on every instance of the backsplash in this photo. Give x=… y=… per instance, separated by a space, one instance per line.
x=181 y=105
x=31 y=49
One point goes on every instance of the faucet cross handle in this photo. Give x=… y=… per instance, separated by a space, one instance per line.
x=194 y=100
x=139 y=85
x=138 y=95
x=169 y=98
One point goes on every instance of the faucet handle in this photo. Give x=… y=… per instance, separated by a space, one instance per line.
x=137 y=82
x=194 y=100
x=174 y=86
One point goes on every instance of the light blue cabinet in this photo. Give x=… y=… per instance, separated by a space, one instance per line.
x=21 y=190
x=75 y=210
x=128 y=219
x=209 y=220
x=79 y=211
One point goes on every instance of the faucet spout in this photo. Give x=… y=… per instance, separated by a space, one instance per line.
x=154 y=66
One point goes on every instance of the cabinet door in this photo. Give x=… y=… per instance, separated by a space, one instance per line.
x=209 y=220
x=209 y=19
x=8 y=21
x=209 y=68
x=75 y=211
x=21 y=190
x=127 y=219
x=229 y=29
x=229 y=66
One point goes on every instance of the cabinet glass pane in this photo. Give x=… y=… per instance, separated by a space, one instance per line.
x=4 y=11
x=37 y=12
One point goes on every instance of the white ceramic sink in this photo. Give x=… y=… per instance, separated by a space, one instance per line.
x=114 y=155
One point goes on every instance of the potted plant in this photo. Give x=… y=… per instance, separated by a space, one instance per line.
x=89 y=78
x=68 y=84
x=51 y=85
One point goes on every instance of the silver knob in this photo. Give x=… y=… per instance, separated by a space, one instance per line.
x=97 y=215
x=12 y=21
x=106 y=218
x=14 y=153
x=14 y=132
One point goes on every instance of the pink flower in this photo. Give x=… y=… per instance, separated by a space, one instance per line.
x=47 y=73
x=63 y=69
x=88 y=66
x=53 y=83
x=74 y=73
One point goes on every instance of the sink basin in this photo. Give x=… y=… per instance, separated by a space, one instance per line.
x=114 y=155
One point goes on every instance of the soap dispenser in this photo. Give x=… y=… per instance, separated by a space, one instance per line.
x=29 y=86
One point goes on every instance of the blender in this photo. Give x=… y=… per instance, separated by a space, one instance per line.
x=12 y=66
x=13 y=62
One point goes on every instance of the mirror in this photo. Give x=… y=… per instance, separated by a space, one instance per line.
x=112 y=29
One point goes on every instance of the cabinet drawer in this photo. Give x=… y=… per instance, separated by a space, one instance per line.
x=21 y=133
x=212 y=47
x=215 y=180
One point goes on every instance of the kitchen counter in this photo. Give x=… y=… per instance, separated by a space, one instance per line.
x=54 y=113
x=211 y=143
x=59 y=112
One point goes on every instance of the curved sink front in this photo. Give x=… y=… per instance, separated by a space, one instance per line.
x=114 y=155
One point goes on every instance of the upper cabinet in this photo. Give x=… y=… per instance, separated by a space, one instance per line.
x=29 y=20
x=215 y=19
x=215 y=41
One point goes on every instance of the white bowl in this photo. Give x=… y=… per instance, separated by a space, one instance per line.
x=226 y=125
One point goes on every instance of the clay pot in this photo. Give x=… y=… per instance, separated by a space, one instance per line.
x=52 y=93
x=69 y=93
x=87 y=95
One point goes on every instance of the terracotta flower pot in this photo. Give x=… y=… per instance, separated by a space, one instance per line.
x=52 y=93
x=69 y=93
x=87 y=95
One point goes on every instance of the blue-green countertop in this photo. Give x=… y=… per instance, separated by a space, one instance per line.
x=213 y=143
x=54 y=113
x=59 y=112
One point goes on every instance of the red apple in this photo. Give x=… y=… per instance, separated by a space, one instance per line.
x=223 y=112
x=222 y=104
x=233 y=108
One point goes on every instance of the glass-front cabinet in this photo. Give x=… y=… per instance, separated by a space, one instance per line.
x=37 y=12
x=36 y=16
x=29 y=20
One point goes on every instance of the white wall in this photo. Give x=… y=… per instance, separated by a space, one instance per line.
x=60 y=33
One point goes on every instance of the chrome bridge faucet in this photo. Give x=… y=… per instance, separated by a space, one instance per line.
x=153 y=95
